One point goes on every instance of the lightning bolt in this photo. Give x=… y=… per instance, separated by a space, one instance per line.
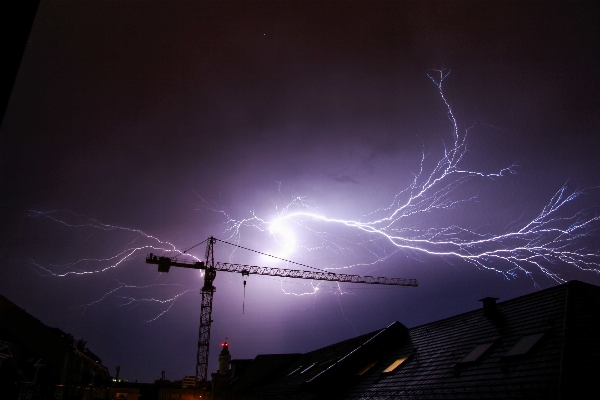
x=81 y=267
x=114 y=261
x=552 y=240
x=133 y=301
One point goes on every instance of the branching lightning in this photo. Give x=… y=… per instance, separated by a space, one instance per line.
x=550 y=241
x=547 y=244
x=114 y=261
x=81 y=267
x=137 y=300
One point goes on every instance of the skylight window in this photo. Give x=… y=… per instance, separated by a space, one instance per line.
x=309 y=367
x=365 y=369
x=294 y=371
x=476 y=353
x=524 y=345
x=394 y=365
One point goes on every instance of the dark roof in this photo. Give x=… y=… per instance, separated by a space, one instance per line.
x=521 y=346
x=319 y=368
x=542 y=345
x=36 y=341
x=262 y=367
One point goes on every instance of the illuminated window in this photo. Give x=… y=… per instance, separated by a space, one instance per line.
x=394 y=365
x=365 y=369
x=476 y=353
x=524 y=345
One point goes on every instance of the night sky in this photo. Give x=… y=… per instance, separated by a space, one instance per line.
x=177 y=119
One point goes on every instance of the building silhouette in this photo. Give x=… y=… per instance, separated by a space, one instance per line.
x=37 y=361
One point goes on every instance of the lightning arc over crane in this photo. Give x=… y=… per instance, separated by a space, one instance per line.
x=210 y=271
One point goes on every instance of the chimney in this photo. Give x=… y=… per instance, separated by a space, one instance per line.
x=118 y=370
x=489 y=307
x=224 y=359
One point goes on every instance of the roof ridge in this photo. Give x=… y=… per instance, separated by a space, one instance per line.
x=556 y=288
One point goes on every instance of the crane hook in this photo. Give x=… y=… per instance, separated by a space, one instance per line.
x=245 y=273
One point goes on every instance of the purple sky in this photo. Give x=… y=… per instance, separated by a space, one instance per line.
x=156 y=116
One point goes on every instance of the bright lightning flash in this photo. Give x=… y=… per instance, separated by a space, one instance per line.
x=284 y=236
x=551 y=241
x=545 y=244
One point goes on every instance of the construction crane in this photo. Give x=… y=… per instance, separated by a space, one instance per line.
x=210 y=272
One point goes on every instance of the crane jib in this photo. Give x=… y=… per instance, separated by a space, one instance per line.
x=313 y=275
x=164 y=263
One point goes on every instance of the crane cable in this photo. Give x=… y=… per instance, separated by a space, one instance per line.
x=196 y=245
x=258 y=252
x=244 y=275
x=269 y=255
x=244 y=300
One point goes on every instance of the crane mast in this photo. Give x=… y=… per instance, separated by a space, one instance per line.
x=208 y=290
